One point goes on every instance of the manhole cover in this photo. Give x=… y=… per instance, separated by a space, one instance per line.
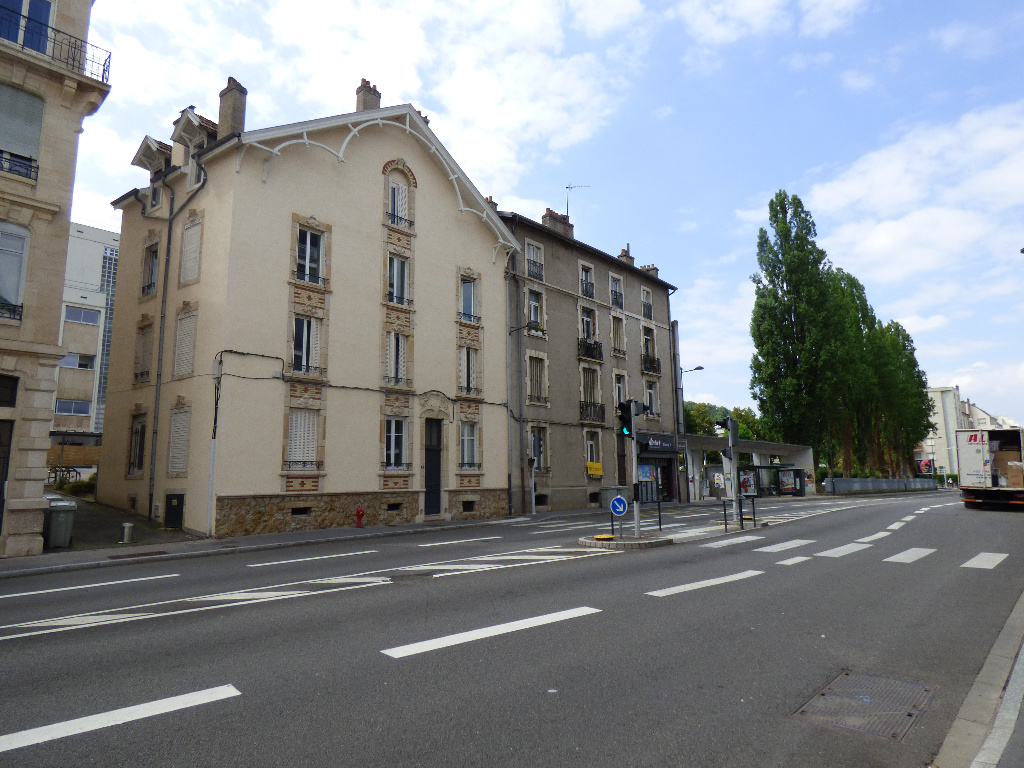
x=879 y=706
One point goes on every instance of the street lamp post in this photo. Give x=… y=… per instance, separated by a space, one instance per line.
x=682 y=418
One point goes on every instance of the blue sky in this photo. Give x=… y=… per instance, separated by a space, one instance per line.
x=899 y=124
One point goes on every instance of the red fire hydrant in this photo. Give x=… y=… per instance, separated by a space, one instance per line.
x=359 y=517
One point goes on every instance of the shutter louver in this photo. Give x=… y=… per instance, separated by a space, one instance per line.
x=21 y=121
x=302 y=435
x=177 y=455
x=400 y=196
x=401 y=350
x=190 y=240
x=185 y=344
x=314 y=343
x=389 y=340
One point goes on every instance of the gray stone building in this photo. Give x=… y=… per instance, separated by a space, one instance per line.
x=587 y=331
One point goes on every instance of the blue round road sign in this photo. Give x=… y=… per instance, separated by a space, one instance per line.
x=618 y=506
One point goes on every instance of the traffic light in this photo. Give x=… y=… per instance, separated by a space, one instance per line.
x=626 y=418
x=731 y=427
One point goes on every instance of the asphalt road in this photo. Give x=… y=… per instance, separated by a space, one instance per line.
x=509 y=645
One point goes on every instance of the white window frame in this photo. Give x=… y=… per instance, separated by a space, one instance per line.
x=83 y=314
x=535 y=318
x=191 y=252
x=398 y=279
x=303 y=429
x=396 y=358
x=11 y=260
x=468 y=299
x=621 y=323
x=468 y=445
x=395 y=439
x=73 y=407
x=21 y=121
x=621 y=392
x=651 y=398
x=615 y=286
x=303 y=261
x=588 y=317
x=592 y=445
x=536 y=391
x=398 y=202
x=306 y=344
x=150 y=269
x=651 y=351
x=469 y=373
x=596 y=374
x=540 y=458
x=178 y=441
x=185 y=328
x=137 y=445
x=534 y=253
x=74 y=360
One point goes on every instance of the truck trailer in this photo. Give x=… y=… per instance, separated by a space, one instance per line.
x=991 y=472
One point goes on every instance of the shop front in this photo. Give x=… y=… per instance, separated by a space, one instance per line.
x=657 y=466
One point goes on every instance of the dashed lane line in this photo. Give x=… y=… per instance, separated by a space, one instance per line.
x=794 y=560
x=986 y=560
x=909 y=555
x=846 y=549
x=702 y=584
x=733 y=541
x=318 y=557
x=89 y=586
x=459 y=541
x=785 y=545
x=875 y=537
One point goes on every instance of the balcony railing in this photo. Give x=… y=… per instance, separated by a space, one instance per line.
x=587 y=289
x=591 y=349
x=618 y=351
x=468 y=318
x=309 y=370
x=304 y=464
x=617 y=299
x=650 y=364
x=396 y=466
x=12 y=311
x=313 y=278
x=396 y=298
x=535 y=269
x=141 y=377
x=66 y=50
x=149 y=289
x=394 y=218
x=397 y=381
x=25 y=167
x=591 y=411
x=470 y=391
x=472 y=465
x=537 y=399
x=648 y=310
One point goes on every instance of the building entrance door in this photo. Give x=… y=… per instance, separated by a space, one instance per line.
x=174 y=510
x=432 y=466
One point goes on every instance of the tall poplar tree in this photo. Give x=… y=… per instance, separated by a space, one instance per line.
x=790 y=374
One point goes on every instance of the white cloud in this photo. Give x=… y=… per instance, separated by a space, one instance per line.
x=823 y=17
x=662 y=112
x=855 y=80
x=717 y=22
x=599 y=17
x=972 y=40
x=916 y=323
x=801 y=61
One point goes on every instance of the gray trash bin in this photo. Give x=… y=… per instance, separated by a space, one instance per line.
x=61 y=521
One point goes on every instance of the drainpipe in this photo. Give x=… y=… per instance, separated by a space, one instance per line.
x=163 y=323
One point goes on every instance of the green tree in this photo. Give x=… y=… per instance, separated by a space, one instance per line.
x=790 y=367
x=700 y=420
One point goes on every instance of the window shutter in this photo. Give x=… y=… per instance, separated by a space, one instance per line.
x=302 y=434
x=389 y=341
x=185 y=344
x=177 y=455
x=462 y=367
x=314 y=342
x=470 y=367
x=21 y=121
x=190 y=240
x=12 y=258
x=400 y=198
x=401 y=351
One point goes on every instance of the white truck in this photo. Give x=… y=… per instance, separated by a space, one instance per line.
x=990 y=466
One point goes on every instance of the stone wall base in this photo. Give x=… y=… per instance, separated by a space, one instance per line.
x=248 y=515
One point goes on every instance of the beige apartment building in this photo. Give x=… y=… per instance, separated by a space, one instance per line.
x=318 y=312
x=589 y=331
x=50 y=80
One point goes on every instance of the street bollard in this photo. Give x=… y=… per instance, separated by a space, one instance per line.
x=359 y=517
x=126 y=532
x=725 y=515
x=753 y=510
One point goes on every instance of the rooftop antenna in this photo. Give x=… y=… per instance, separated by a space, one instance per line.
x=569 y=188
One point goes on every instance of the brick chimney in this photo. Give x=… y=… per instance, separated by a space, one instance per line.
x=232 y=109
x=624 y=255
x=651 y=270
x=557 y=222
x=367 y=96
x=492 y=202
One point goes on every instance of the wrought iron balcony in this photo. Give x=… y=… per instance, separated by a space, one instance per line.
x=617 y=299
x=648 y=310
x=468 y=318
x=394 y=218
x=587 y=289
x=650 y=364
x=536 y=399
x=470 y=391
x=535 y=269
x=141 y=377
x=397 y=381
x=618 y=351
x=313 y=278
x=396 y=466
x=591 y=349
x=18 y=165
x=149 y=289
x=471 y=465
x=12 y=311
x=397 y=298
x=66 y=50
x=304 y=464
x=591 y=412
x=309 y=370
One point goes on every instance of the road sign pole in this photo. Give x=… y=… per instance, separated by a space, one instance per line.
x=636 y=500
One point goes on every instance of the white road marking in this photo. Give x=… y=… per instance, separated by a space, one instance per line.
x=894 y=526
x=794 y=561
x=908 y=518
x=909 y=555
x=488 y=558
x=874 y=537
x=987 y=560
x=730 y=542
x=846 y=549
x=448 y=567
x=355 y=580
x=701 y=584
x=460 y=541
x=254 y=595
x=88 y=586
x=320 y=557
x=785 y=545
x=77 y=621
x=114 y=717
x=694 y=532
x=479 y=634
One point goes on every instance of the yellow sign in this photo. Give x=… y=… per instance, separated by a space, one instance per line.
x=594 y=469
